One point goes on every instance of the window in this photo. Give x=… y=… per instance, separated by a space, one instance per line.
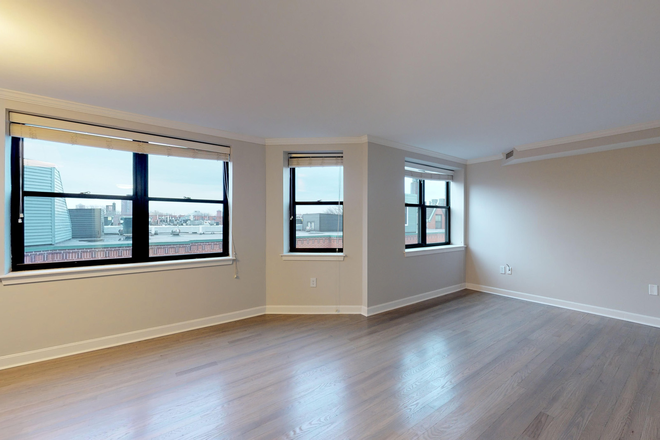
x=85 y=195
x=427 y=191
x=316 y=208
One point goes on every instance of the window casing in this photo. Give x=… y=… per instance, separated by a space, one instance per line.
x=52 y=227
x=316 y=205
x=428 y=213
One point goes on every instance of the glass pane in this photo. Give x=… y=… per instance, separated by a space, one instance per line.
x=56 y=167
x=435 y=192
x=413 y=235
x=319 y=184
x=181 y=228
x=319 y=227
x=182 y=177
x=436 y=225
x=412 y=190
x=70 y=229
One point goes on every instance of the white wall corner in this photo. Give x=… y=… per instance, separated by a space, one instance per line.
x=380 y=308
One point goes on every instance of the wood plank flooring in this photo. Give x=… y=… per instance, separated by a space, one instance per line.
x=466 y=366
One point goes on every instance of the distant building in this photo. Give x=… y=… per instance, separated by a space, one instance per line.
x=126 y=208
x=47 y=220
x=322 y=222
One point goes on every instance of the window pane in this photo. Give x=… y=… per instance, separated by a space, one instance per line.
x=56 y=167
x=181 y=177
x=319 y=227
x=435 y=192
x=71 y=229
x=319 y=184
x=436 y=225
x=181 y=228
x=413 y=235
x=412 y=190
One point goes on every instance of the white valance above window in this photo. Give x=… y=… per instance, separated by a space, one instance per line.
x=76 y=133
x=316 y=159
x=427 y=172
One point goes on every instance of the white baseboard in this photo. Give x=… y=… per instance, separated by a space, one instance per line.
x=313 y=310
x=380 y=308
x=44 y=354
x=28 y=357
x=594 y=310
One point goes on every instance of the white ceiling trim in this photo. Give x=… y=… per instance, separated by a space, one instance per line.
x=360 y=140
x=317 y=141
x=591 y=135
x=608 y=138
x=29 y=98
x=553 y=152
x=485 y=159
x=400 y=146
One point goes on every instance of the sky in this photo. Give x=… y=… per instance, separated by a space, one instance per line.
x=110 y=172
x=318 y=183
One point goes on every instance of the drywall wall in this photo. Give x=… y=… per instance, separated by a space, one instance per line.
x=35 y=316
x=391 y=275
x=583 y=229
x=339 y=283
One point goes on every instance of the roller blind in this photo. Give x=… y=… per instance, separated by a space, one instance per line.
x=75 y=133
x=428 y=172
x=316 y=160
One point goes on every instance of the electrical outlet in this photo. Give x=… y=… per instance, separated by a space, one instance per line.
x=502 y=270
x=312 y=282
x=653 y=289
x=509 y=270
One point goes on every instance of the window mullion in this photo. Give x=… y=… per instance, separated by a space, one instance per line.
x=292 y=210
x=140 y=208
x=17 y=220
x=225 y=210
x=422 y=213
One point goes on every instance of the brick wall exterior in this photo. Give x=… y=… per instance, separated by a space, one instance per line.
x=430 y=238
x=54 y=256
x=319 y=243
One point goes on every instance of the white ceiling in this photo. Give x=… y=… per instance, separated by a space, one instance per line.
x=461 y=77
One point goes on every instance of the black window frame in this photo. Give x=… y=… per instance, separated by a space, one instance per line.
x=422 y=219
x=140 y=206
x=292 y=218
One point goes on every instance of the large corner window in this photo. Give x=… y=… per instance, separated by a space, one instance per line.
x=427 y=190
x=86 y=195
x=316 y=208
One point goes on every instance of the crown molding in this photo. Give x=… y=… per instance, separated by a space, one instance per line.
x=361 y=140
x=635 y=135
x=590 y=136
x=414 y=149
x=28 y=98
x=316 y=140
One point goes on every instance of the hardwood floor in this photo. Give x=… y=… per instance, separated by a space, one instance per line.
x=467 y=366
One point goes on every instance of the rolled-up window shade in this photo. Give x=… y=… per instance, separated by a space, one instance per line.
x=316 y=160
x=75 y=133
x=427 y=172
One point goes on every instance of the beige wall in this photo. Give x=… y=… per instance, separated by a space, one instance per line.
x=391 y=275
x=583 y=228
x=339 y=283
x=34 y=316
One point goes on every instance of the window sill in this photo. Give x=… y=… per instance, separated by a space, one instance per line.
x=312 y=256
x=434 y=250
x=39 y=276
